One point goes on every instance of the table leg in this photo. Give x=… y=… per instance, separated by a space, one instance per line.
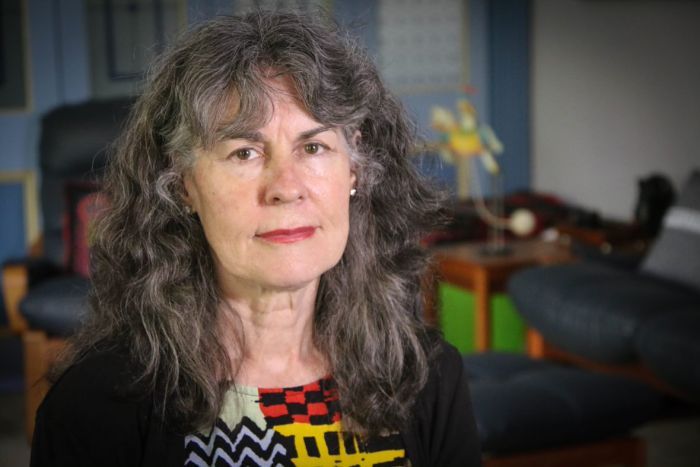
x=431 y=299
x=482 y=295
x=535 y=344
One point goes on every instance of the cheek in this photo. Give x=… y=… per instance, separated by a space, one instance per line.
x=338 y=201
x=339 y=208
x=224 y=214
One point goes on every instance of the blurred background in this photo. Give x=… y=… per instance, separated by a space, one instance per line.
x=588 y=97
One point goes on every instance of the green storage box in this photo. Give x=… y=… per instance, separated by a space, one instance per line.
x=456 y=319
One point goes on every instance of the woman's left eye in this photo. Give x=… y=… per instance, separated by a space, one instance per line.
x=313 y=148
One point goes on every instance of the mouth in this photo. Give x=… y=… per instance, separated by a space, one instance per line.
x=287 y=235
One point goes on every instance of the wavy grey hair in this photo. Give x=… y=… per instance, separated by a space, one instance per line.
x=154 y=287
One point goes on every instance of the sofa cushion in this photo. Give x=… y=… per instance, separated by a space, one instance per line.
x=669 y=344
x=676 y=254
x=591 y=309
x=499 y=366
x=521 y=404
x=56 y=305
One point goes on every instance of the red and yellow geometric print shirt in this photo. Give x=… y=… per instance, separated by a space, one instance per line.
x=296 y=426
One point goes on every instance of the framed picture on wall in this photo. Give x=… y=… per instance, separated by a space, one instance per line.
x=423 y=45
x=19 y=208
x=125 y=36
x=241 y=6
x=14 y=57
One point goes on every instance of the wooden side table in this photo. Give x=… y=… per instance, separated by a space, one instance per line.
x=608 y=236
x=464 y=265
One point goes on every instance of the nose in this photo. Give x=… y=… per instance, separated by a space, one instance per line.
x=284 y=181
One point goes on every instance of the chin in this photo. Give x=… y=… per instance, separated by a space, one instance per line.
x=298 y=276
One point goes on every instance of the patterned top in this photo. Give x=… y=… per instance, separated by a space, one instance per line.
x=296 y=426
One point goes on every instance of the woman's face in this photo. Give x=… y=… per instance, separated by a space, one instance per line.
x=274 y=204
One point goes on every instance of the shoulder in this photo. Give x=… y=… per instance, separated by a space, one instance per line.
x=443 y=431
x=446 y=361
x=90 y=417
x=97 y=378
x=446 y=373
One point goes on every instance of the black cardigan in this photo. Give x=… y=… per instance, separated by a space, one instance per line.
x=85 y=421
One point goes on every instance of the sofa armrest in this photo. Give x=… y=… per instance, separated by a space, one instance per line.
x=17 y=277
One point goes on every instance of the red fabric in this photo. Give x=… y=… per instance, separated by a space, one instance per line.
x=276 y=410
x=310 y=403
x=87 y=210
x=295 y=397
x=83 y=203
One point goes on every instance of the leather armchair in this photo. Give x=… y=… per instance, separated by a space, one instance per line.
x=44 y=295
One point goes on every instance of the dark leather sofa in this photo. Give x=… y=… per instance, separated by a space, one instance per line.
x=643 y=322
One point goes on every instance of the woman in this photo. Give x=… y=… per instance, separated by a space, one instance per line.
x=257 y=272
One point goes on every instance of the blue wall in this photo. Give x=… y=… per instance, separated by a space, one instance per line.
x=58 y=70
x=509 y=93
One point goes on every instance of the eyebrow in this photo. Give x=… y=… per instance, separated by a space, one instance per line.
x=257 y=137
x=313 y=132
x=254 y=136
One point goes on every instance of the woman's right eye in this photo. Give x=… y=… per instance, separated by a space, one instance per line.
x=245 y=154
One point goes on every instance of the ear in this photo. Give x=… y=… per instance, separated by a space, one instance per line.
x=356 y=139
x=189 y=190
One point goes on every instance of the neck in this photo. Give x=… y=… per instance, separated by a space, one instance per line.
x=278 y=336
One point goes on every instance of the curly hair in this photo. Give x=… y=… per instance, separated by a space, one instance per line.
x=154 y=288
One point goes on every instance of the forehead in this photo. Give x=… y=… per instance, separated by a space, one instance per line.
x=277 y=99
x=284 y=103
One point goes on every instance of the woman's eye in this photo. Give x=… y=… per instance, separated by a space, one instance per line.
x=245 y=154
x=312 y=148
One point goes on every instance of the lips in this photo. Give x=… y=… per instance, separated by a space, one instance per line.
x=288 y=235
